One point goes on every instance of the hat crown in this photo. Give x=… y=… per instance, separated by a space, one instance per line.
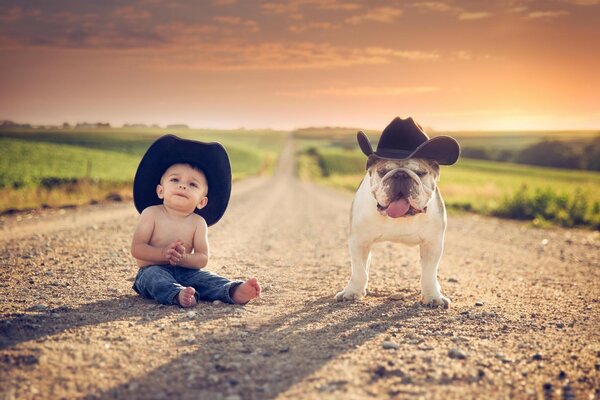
x=404 y=138
x=402 y=134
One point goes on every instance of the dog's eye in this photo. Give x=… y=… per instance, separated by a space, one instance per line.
x=382 y=172
x=421 y=174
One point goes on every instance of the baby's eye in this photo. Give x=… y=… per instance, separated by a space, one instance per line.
x=174 y=180
x=193 y=184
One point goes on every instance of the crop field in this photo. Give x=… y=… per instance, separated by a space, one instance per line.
x=474 y=185
x=65 y=167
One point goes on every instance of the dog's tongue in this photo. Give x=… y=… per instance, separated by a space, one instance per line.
x=398 y=208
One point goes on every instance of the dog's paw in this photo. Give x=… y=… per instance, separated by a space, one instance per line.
x=350 y=294
x=438 y=300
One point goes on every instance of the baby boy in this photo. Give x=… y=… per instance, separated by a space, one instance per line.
x=181 y=187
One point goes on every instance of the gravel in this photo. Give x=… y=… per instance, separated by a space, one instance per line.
x=71 y=326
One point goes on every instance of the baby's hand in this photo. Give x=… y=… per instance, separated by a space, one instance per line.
x=174 y=252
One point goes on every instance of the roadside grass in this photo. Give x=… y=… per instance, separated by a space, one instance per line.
x=564 y=197
x=45 y=168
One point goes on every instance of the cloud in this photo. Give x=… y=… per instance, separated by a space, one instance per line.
x=437 y=6
x=130 y=13
x=294 y=6
x=300 y=28
x=247 y=24
x=411 y=55
x=583 y=2
x=470 y=16
x=547 y=14
x=362 y=91
x=234 y=55
x=16 y=13
x=382 y=14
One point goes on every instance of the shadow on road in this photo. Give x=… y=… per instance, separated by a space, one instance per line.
x=46 y=322
x=265 y=365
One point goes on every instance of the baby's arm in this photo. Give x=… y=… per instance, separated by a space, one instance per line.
x=199 y=258
x=140 y=245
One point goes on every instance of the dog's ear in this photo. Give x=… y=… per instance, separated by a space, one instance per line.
x=372 y=160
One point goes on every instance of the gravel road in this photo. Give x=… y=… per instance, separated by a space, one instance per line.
x=524 y=322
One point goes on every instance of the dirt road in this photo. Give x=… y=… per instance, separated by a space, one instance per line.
x=524 y=322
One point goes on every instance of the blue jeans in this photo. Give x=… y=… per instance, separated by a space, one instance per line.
x=163 y=283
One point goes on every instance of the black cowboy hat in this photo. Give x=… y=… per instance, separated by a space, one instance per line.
x=167 y=150
x=403 y=139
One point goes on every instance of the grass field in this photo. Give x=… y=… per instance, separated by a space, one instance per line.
x=474 y=185
x=65 y=167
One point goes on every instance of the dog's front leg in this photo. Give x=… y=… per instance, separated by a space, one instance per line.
x=431 y=253
x=360 y=254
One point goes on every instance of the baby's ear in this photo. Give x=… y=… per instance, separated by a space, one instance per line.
x=202 y=203
x=159 y=191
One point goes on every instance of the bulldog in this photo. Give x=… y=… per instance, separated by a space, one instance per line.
x=398 y=200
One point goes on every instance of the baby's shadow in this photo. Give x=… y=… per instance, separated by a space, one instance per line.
x=43 y=322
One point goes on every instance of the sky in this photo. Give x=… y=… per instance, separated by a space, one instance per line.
x=450 y=64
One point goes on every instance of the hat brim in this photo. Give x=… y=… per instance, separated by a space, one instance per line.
x=211 y=158
x=443 y=149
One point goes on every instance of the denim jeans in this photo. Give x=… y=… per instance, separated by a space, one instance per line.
x=163 y=283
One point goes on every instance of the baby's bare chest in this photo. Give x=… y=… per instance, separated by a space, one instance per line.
x=167 y=231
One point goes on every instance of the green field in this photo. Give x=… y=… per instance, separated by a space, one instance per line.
x=475 y=185
x=63 y=167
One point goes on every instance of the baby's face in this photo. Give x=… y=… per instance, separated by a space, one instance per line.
x=183 y=188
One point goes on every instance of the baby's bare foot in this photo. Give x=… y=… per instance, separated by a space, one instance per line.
x=246 y=291
x=186 y=297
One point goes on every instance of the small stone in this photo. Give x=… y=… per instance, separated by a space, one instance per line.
x=537 y=357
x=284 y=349
x=217 y=302
x=560 y=325
x=457 y=354
x=191 y=314
x=425 y=347
x=396 y=296
x=503 y=358
x=452 y=280
x=380 y=371
x=411 y=338
x=389 y=345
x=479 y=303
x=562 y=375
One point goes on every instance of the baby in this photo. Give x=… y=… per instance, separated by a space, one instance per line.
x=170 y=242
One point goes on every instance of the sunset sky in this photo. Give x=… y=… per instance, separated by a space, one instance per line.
x=505 y=64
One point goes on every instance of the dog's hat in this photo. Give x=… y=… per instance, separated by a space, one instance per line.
x=403 y=139
x=167 y=150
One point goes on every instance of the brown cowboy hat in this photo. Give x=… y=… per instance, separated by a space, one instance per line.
x=167 y=150
x=403 y=139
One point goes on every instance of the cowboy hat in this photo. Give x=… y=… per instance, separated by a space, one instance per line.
x=167 y=150
x=403 y=139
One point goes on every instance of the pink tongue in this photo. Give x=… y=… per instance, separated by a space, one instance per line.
x=398 y=208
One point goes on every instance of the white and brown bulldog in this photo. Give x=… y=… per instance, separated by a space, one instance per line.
x=398 y=200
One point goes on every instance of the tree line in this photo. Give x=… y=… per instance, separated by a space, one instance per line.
x=583 y=155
